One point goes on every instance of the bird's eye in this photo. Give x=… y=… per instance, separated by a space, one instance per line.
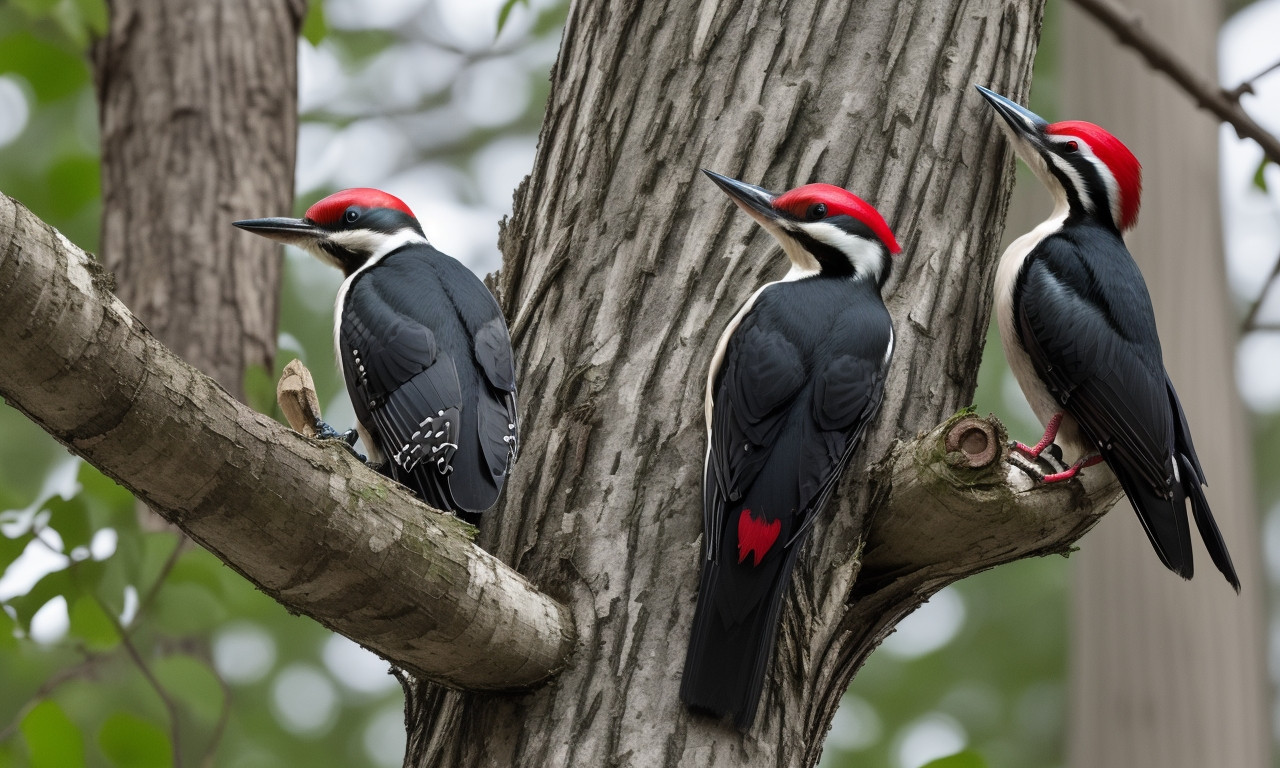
x=816 y=211
x=351 y=215
x=1071 y=146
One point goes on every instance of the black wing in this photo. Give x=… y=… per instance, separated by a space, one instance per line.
x=1085 y=319
x=424 y=359
x=759 y=378
x=786 y=421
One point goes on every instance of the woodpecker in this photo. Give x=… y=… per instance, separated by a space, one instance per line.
x=794 y=380
x=1079 y=331
x=423 y=348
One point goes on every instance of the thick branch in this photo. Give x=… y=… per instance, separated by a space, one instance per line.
x=304 y=521
x=1130 y=31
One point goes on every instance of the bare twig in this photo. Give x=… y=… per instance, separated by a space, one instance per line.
x=1246 y=85
x=1128 y=28
x=221 y=727
x=82 y=669
x=1250 y=322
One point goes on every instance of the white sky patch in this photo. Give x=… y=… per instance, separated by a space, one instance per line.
x=51 y=622
x=356 y=668
x=933 y=736
x=492 y=93
x=1251 y=218
x=243 y=653
x=500 y=166
x=15 y=110
x=929 y=627
x=304 y=700
x=857 y=726
x=384 y=737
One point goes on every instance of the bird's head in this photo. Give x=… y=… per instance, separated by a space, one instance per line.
x=1085 y=167
x=347 y=228
x=823 y=229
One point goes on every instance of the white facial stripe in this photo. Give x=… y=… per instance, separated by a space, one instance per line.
x=1077 y=181
x=358 y=240
x=1104 y=172
x=1108 y=181
x=866 y=256
x=803 y=263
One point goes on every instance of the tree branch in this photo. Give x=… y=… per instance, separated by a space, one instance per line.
x=306 y=522
x=1129 y=30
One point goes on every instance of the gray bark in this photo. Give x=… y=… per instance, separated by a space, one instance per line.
x=198 y=115
x=622 y=264
x=1166 y=673
x=305 y=521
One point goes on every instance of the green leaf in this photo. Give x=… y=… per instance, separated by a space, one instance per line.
x=131 y=742
x=192 y=682
x=966 y=759
x=7 y=639
x=53 y=741
x=315 y=26
x=94 y=15
x=71 y=520
x=1259 y=177
x=505 y=12
x=110 y=505
x=92 y=625
x=11 y=549
x=37 y=8
x=52 y=585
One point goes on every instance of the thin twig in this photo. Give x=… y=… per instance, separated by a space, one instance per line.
x=1246 y=85
x=221 y=727
x=1129 y=29
x=82 y=669
x=127 y=643
x=1251 y=317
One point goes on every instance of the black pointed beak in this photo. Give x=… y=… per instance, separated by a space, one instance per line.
x=1020 y=121
x=754 y=200
x=289 y=231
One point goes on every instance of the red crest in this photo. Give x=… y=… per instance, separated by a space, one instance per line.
x=330 y=209
x=838 y=201
x=756 y=536
x=1124 y=167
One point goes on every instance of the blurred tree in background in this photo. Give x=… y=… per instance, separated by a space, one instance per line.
x=120 y=646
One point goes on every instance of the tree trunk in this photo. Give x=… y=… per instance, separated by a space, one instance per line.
x=198 y=113
x=1166 y=673
x=622 y=266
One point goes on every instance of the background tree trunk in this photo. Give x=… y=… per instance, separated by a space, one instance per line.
x=1166 y=673
x=622 y=266
x=198 y=113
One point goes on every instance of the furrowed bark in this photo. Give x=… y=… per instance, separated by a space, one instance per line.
x=304 y=520
x=623 y=264
x=198 y=114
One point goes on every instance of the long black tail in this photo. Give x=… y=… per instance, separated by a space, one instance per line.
x=1165 y=519
x=725 y=667
x=1208 y=526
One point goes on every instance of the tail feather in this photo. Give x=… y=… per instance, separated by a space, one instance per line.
x=1164 y=519
x=725 y=667
x=1209 y=532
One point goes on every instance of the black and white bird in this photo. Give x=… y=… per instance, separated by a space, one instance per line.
x=1079 y=331
x=423 y=348
x=794 y=380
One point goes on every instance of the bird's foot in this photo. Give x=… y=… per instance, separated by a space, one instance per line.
x=1050 y=434
x=1073 y=470
x=1047 y=462
x=348 y=438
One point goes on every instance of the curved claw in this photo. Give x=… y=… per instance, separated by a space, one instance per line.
x=348 y=438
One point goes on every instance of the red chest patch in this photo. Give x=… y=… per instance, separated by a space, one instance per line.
x=756 y=536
